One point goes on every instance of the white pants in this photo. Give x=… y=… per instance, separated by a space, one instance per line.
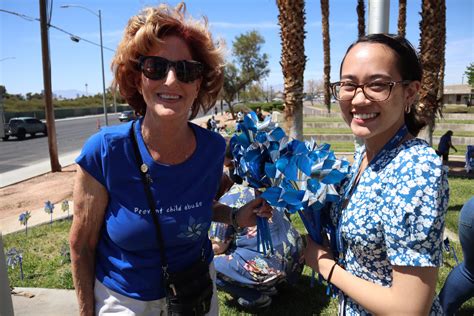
x=108 y=302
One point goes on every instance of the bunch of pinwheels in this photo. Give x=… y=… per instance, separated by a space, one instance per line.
x=258 y=145
x=299 y=176
x=311 y=177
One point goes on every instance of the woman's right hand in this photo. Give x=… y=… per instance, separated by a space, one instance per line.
x=247 y=214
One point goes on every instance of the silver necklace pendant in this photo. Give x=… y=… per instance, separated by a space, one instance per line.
x=144 y=168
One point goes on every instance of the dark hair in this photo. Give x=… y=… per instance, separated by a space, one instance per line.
x=408 y=65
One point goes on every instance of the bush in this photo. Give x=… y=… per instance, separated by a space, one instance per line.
x=266 y=106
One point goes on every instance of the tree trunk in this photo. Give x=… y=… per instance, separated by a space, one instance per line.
x=361 y=17
x=48 y=93
x=402 y=17
x=291 y=19
x=431 y=39
x=442 y=50
x=327 y=60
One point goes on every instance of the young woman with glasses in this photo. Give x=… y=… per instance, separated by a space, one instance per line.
x=391 y=219
x=168 y=69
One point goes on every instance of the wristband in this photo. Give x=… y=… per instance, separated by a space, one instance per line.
x=331 y=271
x=233 y=217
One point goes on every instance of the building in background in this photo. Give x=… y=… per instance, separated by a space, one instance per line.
x=461 y=94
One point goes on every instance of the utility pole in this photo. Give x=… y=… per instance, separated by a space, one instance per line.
x=48 y=93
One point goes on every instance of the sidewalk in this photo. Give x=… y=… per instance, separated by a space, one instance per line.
x=44 y=302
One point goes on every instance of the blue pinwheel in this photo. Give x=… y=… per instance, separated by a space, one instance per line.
x=23 y=218
x=65 y=207
x=14 y=258
x=48 y=208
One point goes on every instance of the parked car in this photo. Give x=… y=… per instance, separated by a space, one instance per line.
x=20 y=126
x=126 y=116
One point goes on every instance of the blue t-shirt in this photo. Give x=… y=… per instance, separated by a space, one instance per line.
x=395 y=216
x=127 y=257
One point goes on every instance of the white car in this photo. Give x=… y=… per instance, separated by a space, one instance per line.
x=126 y=116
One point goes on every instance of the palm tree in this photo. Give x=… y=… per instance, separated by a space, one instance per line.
x=402 y=17
x=442 y=49
x=361 y=17
x=431 y=39
x=291 y=19
x=327 y=60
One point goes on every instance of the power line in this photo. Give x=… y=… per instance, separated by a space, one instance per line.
x=73 y=37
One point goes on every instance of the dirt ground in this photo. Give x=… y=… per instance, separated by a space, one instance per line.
x=32 y=193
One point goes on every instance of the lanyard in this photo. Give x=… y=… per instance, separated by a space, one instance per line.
x=391 y=144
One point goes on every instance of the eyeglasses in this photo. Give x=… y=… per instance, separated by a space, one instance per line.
x=156 y=68
x=376 y=91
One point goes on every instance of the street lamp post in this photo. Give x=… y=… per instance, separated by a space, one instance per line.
x=101 y=53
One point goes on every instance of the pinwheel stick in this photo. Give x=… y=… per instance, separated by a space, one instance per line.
x=264 y=237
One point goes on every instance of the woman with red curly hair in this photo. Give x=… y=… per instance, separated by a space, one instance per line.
x=144 y=193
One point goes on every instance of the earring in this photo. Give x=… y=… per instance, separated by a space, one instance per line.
x=407 y=109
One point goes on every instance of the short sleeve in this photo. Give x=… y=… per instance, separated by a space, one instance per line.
x=417 y=197
x=92 y=156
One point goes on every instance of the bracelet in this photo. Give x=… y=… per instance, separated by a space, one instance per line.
x=233 y=217
x=331 y=271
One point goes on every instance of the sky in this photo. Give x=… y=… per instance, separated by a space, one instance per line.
x=77 y=65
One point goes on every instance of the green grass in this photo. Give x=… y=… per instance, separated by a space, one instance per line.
x=45 y=267
x=324 y=131
x=321 y=119
x=455 y=121
x=458 y=109
x=346 y=147
x=457 y=133
x=334 y=106
x=460 y=190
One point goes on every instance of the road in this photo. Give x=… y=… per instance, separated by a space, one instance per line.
x=70 y=133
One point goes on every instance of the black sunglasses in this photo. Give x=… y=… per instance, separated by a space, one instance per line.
x=156 y=68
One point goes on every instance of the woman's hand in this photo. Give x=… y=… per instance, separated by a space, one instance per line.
x=318 y=257
x=247 y=214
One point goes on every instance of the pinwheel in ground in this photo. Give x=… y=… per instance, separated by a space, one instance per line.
x=14 y=258
x=48 y=208
x=23 y=218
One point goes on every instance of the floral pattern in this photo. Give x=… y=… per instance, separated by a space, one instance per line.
x=244 y=265
x=395 y=216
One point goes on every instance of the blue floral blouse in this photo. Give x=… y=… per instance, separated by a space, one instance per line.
x=395 y=216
